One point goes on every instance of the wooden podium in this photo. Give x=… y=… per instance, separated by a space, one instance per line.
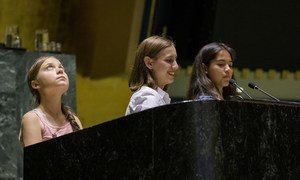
x=186 y=140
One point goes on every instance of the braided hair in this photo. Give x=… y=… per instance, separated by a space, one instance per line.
x=70 y=116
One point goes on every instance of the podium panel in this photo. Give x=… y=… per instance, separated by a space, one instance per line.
x=186 y=140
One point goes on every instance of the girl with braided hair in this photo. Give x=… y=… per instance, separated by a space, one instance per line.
x=48 y=82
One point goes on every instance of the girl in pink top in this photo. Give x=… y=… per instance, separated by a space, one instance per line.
x=50 y=131
x=48 y=82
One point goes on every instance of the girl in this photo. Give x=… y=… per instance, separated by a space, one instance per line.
x=154 y=68
x=48 y=82
x=211 y=73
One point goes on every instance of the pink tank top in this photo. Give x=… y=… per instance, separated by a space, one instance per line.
x=51 y=131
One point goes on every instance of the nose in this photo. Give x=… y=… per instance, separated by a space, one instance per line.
x=60 y=70
x=175 y=65
x=227 y=67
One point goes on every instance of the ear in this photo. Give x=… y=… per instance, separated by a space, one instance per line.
x=205 y=68
x=35 y=84
x=148 y=62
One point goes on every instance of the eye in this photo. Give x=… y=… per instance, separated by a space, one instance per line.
x=169 y=61
x=61 y=66
x=221 y=64
x=49 y=67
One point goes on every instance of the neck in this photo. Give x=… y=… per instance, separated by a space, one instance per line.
x=51 y=106
x=53 y=113
x=161 y=87
x=220 y=92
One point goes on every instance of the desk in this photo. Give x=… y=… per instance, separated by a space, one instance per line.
x=186 y=140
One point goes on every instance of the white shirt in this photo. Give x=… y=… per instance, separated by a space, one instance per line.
x=146 y=98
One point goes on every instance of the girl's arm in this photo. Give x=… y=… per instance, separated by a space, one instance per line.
x=31 y=129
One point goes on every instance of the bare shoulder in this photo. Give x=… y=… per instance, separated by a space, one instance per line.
x=30 y=118
x=31 y=129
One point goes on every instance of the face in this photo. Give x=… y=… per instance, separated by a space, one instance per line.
x=220 y=69
x=164 y=66
x=51 y=75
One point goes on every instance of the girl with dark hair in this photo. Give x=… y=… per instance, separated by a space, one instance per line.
x=212 y=70
x=47 y=81
x=154 y=68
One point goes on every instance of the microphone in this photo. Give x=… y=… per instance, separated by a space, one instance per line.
x=232 y=82
x=254 y=86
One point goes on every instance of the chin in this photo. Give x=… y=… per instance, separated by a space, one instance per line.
x=169 y=83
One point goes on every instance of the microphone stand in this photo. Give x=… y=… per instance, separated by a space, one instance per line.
x=243 y=91
x=266 y=93
x=232 y=81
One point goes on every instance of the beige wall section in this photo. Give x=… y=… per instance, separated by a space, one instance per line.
x=102 y=34
x=101 y=100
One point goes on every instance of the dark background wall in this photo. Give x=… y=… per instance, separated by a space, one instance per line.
x=264 y=33
x=189 y=23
